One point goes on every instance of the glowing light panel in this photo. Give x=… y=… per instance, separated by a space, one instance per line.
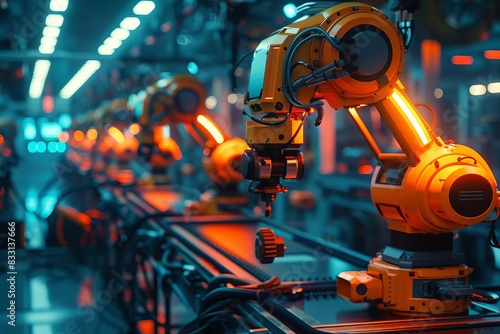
x=130 y=23
x=410 y=115
x=54 y=20
x=494 y=88
x=214 y=131
x=58 y=5
x=87 y=70
x=477 y=90
x=120 y=33
x=144 y=7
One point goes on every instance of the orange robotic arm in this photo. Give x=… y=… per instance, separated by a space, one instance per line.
x=180 y=100
x=351 y=55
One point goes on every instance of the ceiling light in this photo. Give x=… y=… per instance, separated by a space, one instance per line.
x=112 y=42
x=40 y=72
x=130 y=23
x=46 y=49
x=105 y=50
x=477 y=90
x=144 y=7
x=494 y=87
x=58 y=5
x=290 y=10
x=54 y=20
x=120 y=33
x=51 y=32
x=48 y=41
x=87 y=70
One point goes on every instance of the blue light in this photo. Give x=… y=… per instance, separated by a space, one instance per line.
x=42 y=147
x=61 y=147
x=50 y=130
x=290 y=10
x=29 y=129
x=52 y=147
x=192 y=68
x=32 y=147
x=65 y=120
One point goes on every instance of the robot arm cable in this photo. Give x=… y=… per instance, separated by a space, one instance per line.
x=288 y=87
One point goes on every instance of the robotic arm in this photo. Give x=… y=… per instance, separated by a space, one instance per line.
x=180 y=100
x=351 y=55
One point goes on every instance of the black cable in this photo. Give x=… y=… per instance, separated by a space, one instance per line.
x=227 y=294
x=294 y=46
x=222 y=280
x=237 y=65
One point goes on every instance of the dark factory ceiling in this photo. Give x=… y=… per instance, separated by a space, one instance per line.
x=211 y=34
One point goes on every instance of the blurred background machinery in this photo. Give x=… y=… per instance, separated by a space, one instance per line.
x=118 y=162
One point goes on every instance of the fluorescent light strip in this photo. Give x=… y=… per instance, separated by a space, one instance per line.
x=52 y=32
x=477 y=90
x=48 y=41
x=40 y=72
x=130 y=23
x=494 y=87
x=58 y=5
x=46 y=49
x=144 y=7
x=54 y=20
x=105 y=50
x=113 y=42
x=120 y=33
x=87 y=70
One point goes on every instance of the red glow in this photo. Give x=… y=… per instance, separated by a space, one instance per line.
x=145 y=326
x=86 y=296
x=85 y=165
x=2 y=140
x=365 y=169
x=150 y=40
x=165 y=27
x=18 y=74
x=48 y=104
x=462 y=60
x=492 y=54
x=6 y=152
x=343 y=168
x=484 y=35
